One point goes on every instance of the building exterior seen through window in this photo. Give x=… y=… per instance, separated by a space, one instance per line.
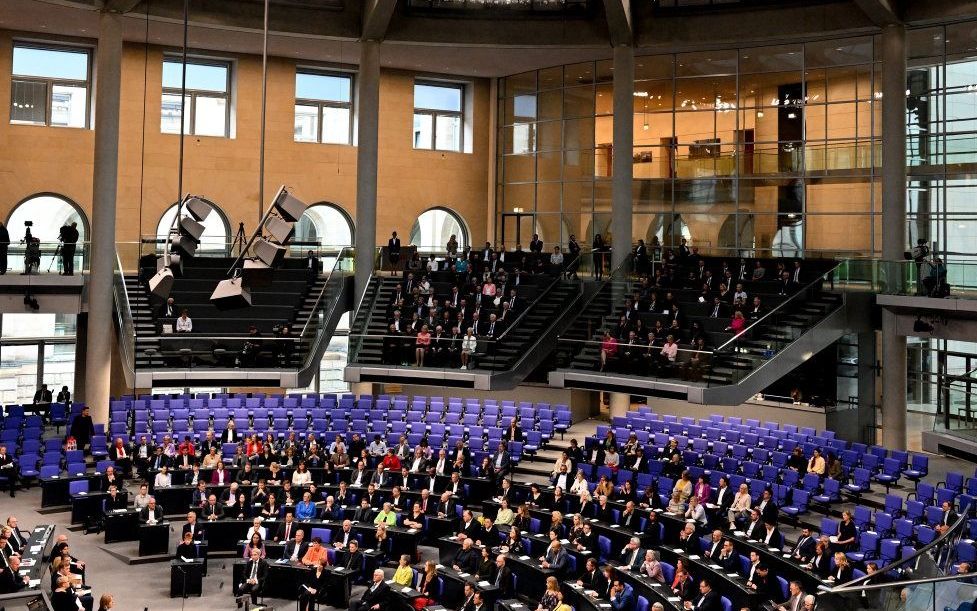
x=50 y=85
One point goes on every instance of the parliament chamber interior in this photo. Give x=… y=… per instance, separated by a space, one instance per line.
x=360 y=304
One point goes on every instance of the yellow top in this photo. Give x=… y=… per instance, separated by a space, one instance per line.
x=404 y=575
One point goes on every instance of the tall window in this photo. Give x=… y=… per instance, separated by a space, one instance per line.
x=438 y=116
x=323 y=107
x=49 y=85
x=208 y=93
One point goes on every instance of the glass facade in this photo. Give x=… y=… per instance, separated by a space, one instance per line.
x=36 y=349
x=771 y=150
x=941 y=143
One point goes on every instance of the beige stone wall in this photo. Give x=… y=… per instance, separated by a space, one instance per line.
x=49 y=159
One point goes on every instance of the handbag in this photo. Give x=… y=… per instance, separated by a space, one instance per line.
x=421 y=602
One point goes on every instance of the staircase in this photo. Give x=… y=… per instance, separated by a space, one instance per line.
x=311 y=306
x=511 y=359
x=781 y=341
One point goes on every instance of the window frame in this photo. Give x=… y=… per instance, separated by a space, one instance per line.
x=435 y=113
x=193 y=94
x=51 y=83
x=322 y=104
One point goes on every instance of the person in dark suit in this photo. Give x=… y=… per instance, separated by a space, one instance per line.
x=63 y=598
x=8 y=468
x=803 y=550
x=187 y=548
x=947 y=518
x=152 y=513
x=296 y=547
x=255 y=572
x=393 y=250
x=11 y=581
x=768 y=509
x=375 y=596
x=354 y=558
x=500 y=462
x=467 y=558
x=707 y=600
x=555 y=558
x=727 y=557
x=4 y=245
x=469 y=526
x=820 y=564
x=82 y=427
x=313 y=586
x=312 y=264
x=592 y=578
x=193 y=527
x=43 y=395
x=115 y=499
x=69 y=239
x=503 y=578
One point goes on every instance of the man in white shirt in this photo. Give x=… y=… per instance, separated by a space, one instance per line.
x=183 y=323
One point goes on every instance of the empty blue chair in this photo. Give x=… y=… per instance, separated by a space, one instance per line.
x=604 y=546
x=861 y=482
x=78 y=487
x=891 y=470
x=868 y=547
x=830 y=493
x=918 y=468
x=893 y=505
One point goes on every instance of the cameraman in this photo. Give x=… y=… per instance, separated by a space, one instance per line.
x=32 y=255
x=69 y=239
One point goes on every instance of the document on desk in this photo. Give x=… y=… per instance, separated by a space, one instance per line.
x=604 y=605
x=733 y=575
x=36 y=548
x=33 y=583
x=678 y=550
x=483 y=584
x=674 y=599
x=463 y=575
x=524 y=558
x=693 y=557
x=715 y=566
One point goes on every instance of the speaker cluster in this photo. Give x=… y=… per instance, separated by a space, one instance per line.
x=183 y=239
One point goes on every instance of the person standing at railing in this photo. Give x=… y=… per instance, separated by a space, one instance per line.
x=4 y=245
x=597 y=249
x=69 y=239
x=312 y=264
x=556 y=260
x=393 y=251
x=573 y=250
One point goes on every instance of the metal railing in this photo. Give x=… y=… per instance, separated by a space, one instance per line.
x=124 y=321
x=324 y=311
x=924 y=579
x=45 y=258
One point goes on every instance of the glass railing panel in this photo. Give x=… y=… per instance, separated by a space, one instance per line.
x=313 y=334
x=123 y=313
x=45 y=258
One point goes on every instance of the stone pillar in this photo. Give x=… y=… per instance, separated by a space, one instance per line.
x=368 y=119
x=623 y=166
x=619 y=403
x=893 y=227
x=100 y=334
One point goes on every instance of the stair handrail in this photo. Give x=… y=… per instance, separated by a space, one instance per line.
x=123 y=312
x=355 y=337
x=626 y=266
x=335 y=277
x=529 y=307
x=954 y=532
x=322 y=293
x=726 y=346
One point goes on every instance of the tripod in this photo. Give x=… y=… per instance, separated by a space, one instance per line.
x=57 y=251
x=240 y=241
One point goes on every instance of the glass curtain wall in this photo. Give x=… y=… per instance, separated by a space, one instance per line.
x=36 y=349
x=941 y=144
x=770 y=150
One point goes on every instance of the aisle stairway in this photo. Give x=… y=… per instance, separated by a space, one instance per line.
x=517 y=353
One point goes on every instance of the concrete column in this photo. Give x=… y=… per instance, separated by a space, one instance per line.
x=623 y=166
x=867 y=393
x=367 y=125
x=619 y=403
x=108 y=75
x=893 y=227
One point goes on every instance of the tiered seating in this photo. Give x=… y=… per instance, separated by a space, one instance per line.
x=441 y=421
x=35 y=456
x=288 y=298
x=756 y=453
x=675 y=292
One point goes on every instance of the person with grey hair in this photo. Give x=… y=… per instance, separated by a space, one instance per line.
x=809 y=602
x=375 y=596
x=657 y=607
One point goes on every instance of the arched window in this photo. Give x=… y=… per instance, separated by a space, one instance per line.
x=434 y=227
x=325 y=224
x=217 y=231
x=49 y=212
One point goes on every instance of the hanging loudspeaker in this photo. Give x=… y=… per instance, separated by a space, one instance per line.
x=231 y=294
x=268 y=253
x=289 y=207
x=256 y=273
x=161 y=284
x=183 y=244
x=191 y=228
x=197 y=208
x=279 y=229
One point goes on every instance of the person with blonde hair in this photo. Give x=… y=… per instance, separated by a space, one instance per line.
x=551 y=597
x=106 y=602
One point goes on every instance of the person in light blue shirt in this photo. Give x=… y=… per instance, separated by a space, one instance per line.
x=305 y=509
